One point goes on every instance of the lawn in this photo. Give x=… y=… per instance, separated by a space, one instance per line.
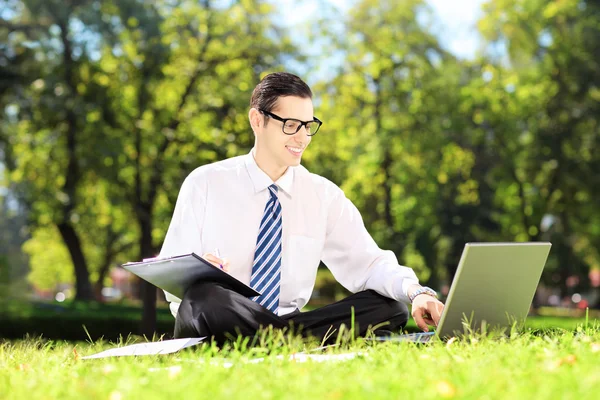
x=540 y=364
x=82 y=321
x=554 y=357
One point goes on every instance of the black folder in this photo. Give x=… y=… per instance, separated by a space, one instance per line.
x=176 y=274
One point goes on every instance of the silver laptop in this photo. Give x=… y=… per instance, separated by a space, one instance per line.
x=492 y=289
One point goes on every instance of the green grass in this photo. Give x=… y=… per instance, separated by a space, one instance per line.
x=553 y=363
x=75 y=320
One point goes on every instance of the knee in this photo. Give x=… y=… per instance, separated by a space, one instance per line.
x=206 y=294
x=390 y=310
x=400 y=313
x=201 y=303
x=396 y=312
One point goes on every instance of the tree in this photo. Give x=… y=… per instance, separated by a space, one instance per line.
x=391 y=115
x=185 y=76
x=45 y=141
x=153 y=91
x=548 y=82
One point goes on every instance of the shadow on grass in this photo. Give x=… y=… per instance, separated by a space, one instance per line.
x=76 y=320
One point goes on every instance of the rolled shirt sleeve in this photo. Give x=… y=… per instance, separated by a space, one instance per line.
x=184 y=233
x=354 y=258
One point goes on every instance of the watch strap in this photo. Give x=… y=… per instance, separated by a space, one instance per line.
x=423 y=290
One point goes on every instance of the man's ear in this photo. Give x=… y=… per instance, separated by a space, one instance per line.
x=255 y=118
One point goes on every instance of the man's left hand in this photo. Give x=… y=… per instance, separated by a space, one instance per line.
x=426 y=310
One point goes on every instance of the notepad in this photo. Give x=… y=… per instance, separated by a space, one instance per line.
x=176 y=274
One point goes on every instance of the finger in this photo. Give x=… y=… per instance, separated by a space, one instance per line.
x=225 y=263
x=440 y=308
x=217 y=262
x=214 y=259
x=418 y=317
x=434 y=311
x=429 y=321
x=211 y=258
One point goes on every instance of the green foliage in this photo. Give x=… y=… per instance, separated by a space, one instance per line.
x=437 y=152
x=48 y=259
x=152 y=90
x=434 y=151
x=545 y=163
x=391 y=116
x=13 y=264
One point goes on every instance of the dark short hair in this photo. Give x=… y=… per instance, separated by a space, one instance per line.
x=276 y=85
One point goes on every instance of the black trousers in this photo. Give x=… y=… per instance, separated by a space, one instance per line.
x=214 y=311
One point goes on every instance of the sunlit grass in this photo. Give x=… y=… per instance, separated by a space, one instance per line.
x=555 y=363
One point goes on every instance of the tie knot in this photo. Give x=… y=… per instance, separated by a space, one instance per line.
x=273 y=190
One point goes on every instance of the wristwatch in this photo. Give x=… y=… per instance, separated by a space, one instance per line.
x=423 y=290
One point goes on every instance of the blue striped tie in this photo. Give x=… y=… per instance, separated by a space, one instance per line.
x=266 y=270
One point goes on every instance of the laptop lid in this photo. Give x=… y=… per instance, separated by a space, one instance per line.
x=495 y=283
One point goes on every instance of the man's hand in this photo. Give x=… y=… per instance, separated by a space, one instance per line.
x=222 y=263
x=426 y=310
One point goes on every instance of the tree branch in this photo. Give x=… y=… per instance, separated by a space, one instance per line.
x=156 y=178
x=111 y=238
x=142 y=104
x=73 y=173
x=26 y=28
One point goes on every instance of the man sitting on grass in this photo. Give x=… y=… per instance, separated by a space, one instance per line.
x=271 y=222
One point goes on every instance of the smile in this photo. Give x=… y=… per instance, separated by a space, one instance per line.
x=295 y=150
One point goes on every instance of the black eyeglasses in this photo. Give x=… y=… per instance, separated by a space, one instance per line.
x=291 y=126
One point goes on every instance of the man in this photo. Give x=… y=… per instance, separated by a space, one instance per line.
x=269 y=222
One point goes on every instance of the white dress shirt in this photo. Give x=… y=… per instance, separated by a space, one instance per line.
x=220 y=205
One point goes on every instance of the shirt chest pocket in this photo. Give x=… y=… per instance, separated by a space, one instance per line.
x=301 y=260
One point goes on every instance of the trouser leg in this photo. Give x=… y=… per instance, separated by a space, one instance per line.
x=212 y=310
x=370 y=309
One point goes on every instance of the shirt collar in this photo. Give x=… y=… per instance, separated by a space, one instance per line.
x=261 y=180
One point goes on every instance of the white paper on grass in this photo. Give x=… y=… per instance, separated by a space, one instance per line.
x=147 y=349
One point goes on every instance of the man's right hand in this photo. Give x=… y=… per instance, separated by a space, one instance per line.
x=222 y=263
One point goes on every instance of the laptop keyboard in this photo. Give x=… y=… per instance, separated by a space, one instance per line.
x=419 y=337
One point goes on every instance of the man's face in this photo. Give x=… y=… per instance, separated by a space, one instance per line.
x=285 y=150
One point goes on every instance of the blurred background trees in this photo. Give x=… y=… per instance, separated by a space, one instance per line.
x=107 y=105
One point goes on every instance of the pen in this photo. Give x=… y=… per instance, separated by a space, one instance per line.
x=218 y=254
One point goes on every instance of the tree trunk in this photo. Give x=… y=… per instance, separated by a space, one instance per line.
x=386 y=165
x=72 y=174
x=109 y=254
x=564 y=254
x=83 y=287
x=386 y=162
x=104 y=268
x=148 y=290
